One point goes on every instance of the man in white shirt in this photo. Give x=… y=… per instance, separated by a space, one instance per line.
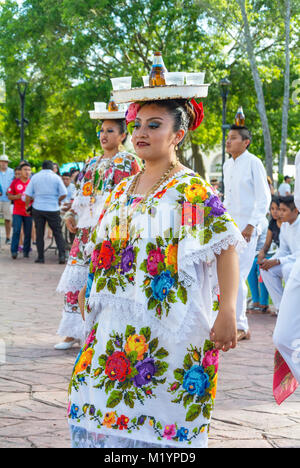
x=247 y=199
x=284 y=189
x=47 y=190
x=279 y=267
x=286 y=335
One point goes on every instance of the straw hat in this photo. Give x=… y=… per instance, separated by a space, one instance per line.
x=3 y=157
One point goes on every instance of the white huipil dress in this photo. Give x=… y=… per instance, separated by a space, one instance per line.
x=88 y=203
x=286 y=335
x=147 y=374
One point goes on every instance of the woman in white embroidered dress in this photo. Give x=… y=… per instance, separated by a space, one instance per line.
x=147 y=374
x=100 y=176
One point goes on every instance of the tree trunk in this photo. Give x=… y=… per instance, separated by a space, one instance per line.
x=286 y=96
x=259 y=91
x=198 y=160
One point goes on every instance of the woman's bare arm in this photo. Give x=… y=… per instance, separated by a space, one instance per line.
x=81 y=300
x=224 y=332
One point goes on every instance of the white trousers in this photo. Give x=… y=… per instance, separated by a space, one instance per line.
x=246 y=259
x=273 y=281
x=286 y=335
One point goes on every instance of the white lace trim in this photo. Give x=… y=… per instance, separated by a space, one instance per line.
x=206 y=255
x=166 y=327
x=71 y=325
x=73 y=278
x=124 y=309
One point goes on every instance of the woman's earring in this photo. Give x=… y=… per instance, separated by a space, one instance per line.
x=176 y=148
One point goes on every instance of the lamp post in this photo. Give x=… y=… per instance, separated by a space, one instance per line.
x=224 y=86
x=22 y=86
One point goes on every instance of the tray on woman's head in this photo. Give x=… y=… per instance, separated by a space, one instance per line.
x=107 y=115
x=160 y=93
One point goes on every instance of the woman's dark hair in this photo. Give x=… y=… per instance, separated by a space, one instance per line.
x=122 y=127
x=275 y=199
x=182 y=112
x=57 y=166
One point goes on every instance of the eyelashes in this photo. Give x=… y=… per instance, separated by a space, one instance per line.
x=152 y=125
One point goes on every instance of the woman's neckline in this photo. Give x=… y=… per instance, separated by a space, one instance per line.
x=166 y=182
x=111 y=157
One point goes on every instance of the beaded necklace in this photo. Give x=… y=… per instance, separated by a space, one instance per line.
x=124 y=223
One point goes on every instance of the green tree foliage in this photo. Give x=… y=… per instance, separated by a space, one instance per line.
x=68 y=50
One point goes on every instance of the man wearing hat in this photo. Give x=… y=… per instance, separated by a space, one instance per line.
x=6 y=178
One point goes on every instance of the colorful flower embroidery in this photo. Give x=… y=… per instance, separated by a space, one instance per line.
x=203 y=214
x=87 y=189
x=75 y=247
x=112 y=420
x=109 y=419
x=79 y=243
x=195 y=385
x=131 y=367
x=196 y=193
x=161 y=284
x=114 y=260
x=82 y=367
x=72 y=298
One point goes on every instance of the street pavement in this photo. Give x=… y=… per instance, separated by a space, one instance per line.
x=34 y=377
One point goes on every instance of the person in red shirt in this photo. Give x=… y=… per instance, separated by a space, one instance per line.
x=20 y=216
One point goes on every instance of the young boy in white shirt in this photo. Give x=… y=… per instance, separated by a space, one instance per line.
x=279 y=267
x=247 y=199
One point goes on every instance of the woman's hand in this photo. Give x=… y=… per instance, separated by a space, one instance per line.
x=247 y=232
x=224 y=332
x=71 y=224
x=81 y=301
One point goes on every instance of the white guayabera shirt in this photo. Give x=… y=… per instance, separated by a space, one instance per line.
x=247 y=193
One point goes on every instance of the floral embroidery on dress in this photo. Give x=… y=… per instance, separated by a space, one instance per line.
x=114 y=260
x=203 y=214
x=82 y=367
x=131 y=368
x=195 y=384
x=161 y=285
x=121 y=422
x=77 y=250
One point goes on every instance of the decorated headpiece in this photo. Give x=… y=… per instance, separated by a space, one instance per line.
x=134 y=107
x=193 y=89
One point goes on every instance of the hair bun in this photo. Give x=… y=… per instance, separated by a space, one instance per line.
x=191 y=114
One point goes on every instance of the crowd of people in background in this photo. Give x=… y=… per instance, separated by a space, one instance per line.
x=30 y=201
x=265 y=267
x=28 y=204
